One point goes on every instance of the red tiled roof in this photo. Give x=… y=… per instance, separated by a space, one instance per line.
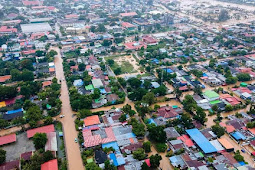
x=242 y=90
x=50 y=165
x=185 y=138
x=46 y=83
x=252 y=131
x=94 y=140
x=230 y=99
x=29 y=52
x=4 y=78
x=71 y=16
x=149 y=40
x=7 y=139
x=129 y=14
x=166 y=112
x=44 y=129
x=127 y=25
x=6 y=29
x=31 y=3
x=135 y=45
x=10 y=165
x=183 y=88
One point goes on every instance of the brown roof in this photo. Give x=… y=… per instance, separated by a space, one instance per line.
x=166 y=112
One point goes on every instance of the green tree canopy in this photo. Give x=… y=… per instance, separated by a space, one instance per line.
x=40 y=140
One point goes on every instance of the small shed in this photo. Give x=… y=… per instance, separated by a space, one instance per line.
x=243 y=84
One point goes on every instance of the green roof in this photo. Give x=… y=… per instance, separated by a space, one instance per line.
x=90 y=160
x=89 y=87
x=201 y=154
x=243 y=84
x=97 y=100
x=174 y=106
x=215 y=102
x=210 y=94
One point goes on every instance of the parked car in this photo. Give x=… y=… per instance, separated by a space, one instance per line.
x=243 y=150
x=61 y=116
x=75 y=140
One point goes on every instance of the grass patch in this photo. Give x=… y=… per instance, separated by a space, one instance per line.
x=126 y=67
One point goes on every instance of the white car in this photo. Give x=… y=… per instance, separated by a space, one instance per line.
x=61 y=116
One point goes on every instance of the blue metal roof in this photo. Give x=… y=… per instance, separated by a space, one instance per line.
x=14 y=111
x=238 y=136
x=201 y=141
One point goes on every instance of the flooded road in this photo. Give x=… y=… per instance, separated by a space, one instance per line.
x=70 y=133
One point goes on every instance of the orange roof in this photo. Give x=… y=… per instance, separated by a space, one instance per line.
x=5 y=78
x=252 y=131
x=185 y=138
x=225 y=143
x=50 y=165
x=229 y=128
x=46 y=83
x=51 y=69
x=91 y=120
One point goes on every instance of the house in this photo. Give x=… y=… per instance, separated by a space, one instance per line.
x=51 y=144
x=5 y=78
x=91 y=120
x=210 y=95
x=128 y=14
x=167 y=112
x=112 y=98
x=226 y=144
x=201 y=141
x=135 y=45
x=50 y=165
x=127 y=25
x=176 y=145
x=171 y=133
x=100 y=136
x=11 y=114
x=100 y=156
x=97 y=83
x=10 y=165
x=149 y=40
x=7 y=139
x=228 y=99
x=7 y=30
x=26 y=156
x=43 y=129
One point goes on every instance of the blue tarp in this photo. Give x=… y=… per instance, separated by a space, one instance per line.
x=102 y=91
x=242 y=163
x=120 y=159
x=114 y=159
x=114 y=145
x=150 y=121
x=78 y=82
x=14 y=111
x=168 y=70
x=205 y=75
x=201 y=141
x=238 y=136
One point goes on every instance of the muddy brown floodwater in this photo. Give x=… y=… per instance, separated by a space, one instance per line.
x=70 y=133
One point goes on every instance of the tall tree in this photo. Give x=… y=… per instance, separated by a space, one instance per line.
x=40 y=140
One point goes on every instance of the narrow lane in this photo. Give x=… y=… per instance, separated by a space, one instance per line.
x=70 y=133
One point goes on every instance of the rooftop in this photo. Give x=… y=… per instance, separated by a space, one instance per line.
x=44 y=129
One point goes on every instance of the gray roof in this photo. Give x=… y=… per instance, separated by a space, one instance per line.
x=33 y=28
